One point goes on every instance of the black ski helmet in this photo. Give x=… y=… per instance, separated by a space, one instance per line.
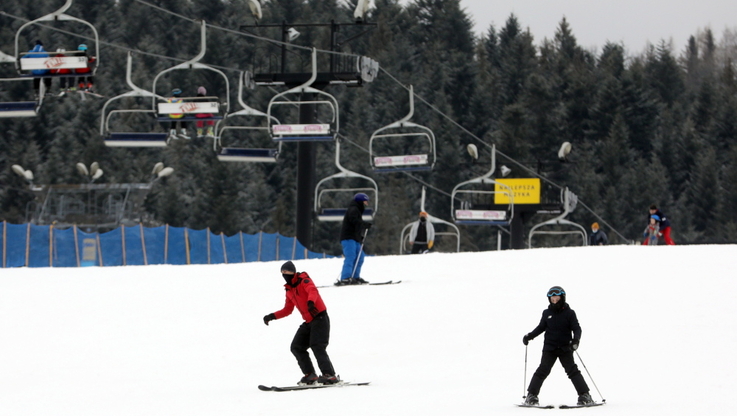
x=557 y=291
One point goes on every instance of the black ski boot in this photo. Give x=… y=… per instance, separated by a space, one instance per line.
x=327 y=379
x=532 y=400
x=585 y=399
x=308 y=379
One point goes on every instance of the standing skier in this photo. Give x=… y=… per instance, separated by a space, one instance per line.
x=314 y=333
x=663 y=225
x=598 y=237
x=652 y=231
x=351 y=238
x=558 y=322
x=422 y=235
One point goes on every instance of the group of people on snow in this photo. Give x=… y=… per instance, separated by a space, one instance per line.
x=658 y=226
x=559 y=323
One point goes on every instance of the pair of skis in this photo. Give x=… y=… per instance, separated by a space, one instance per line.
x=312 y=386
x=388 y=282
x=563 y=406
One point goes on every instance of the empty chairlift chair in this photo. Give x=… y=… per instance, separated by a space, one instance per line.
x=331 y=201
x=244 y=154
x=569 y=201
x=417 y=144
x=326 y=130
x=114 y=137
x=473 y=202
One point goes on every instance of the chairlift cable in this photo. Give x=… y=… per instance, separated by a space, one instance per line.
x=249 y=35
x=532 y=172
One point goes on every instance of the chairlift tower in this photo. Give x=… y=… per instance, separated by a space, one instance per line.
x=342 y=69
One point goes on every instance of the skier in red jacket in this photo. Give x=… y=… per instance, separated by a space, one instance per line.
x=314 y=333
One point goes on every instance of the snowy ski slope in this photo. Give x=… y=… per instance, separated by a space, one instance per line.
x=658 y=335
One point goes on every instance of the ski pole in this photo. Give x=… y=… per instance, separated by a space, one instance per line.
x=360 y=250
x=524 y=379
x=592 y=379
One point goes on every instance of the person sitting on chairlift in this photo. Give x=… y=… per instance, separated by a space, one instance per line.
x=201 y=93
x=38 y=51
x=176 y=97
x=84 y=80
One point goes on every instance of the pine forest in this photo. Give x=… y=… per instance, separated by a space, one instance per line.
x=657 y=126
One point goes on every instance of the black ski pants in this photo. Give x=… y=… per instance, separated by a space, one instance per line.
x=419 y=248
x=314 y=335
x=546 y=364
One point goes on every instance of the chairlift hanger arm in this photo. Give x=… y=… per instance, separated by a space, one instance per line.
x=57 y=16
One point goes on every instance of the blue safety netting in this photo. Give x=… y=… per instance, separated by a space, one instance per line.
x=64 y=251
x=14 y=244
x=45 y=246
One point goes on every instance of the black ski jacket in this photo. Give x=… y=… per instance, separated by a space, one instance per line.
x=558 y=325
x=353 y=223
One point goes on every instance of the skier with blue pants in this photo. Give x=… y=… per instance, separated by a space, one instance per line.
x=351 y=238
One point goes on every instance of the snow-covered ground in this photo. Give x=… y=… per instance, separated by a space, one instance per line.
x=658 y=335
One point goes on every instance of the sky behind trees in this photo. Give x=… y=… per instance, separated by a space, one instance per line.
x=595 y=22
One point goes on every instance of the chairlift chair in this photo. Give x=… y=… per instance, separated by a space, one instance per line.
x=463 y=211
x=189 y=106
x=130 y=139
x=326 y=199
x=238 y=154
x=11 y=109
x=19 y=108
x=25 y=62
x=304 y=132
x=403 y=132
x=569 y=200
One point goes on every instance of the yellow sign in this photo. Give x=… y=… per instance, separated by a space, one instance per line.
x=526 y=191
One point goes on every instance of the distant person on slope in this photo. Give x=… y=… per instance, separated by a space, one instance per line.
x=664 y=225
x=314 y=333
x=422 y=235
x=598 y=237
x=562 y=336
x=351 y=238
x=651 y=231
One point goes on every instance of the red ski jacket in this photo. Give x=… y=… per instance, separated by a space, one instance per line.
x=301 y=290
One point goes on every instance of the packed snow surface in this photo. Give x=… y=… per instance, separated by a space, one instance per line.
x=658 y=335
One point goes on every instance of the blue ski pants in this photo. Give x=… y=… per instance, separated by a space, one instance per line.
x=352 y=256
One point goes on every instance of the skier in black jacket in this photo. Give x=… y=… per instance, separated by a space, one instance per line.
x=351 y=238
x=558 y=322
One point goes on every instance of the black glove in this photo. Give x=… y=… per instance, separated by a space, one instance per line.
x=368 y=225
x=312 y=309
x=269 y=317
x=527 y=338
x=574 y=344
